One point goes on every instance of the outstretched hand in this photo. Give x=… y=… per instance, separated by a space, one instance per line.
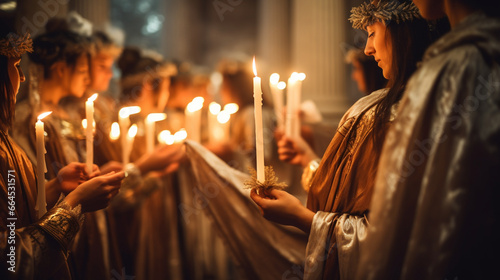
x=73 y=174
x=284 y=208
x=164 y=158
x=97 y=192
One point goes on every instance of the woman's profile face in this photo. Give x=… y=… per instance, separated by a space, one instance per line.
x=77 y=79
x=101 y=72
x=16 y=75
x=379 y=46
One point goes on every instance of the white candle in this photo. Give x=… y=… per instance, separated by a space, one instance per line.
x=277 y=93
x=41 y=202
x=129 y=144
x=290 y=105
x=297 y=101
x=89 y=112
x=150 y=121
x=124 y=123
x=259 y=133
x=221 y=130
x=193 y=118
x=213 y=111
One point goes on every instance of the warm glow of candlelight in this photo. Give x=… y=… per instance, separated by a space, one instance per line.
x=223 y=117
x=301 y=76
x=198 y=100
x=180 y=135
x=214 y=108
x=231 y=108
x=194 y=106
x=114 y=134
x=132 y=131
x=93 y=97
x=166 y=137
x=281 y=85
x=274 y=79
x=43 y=115
x=156 y=117
x=127 y=111
x=84 y=124
x=254 y=67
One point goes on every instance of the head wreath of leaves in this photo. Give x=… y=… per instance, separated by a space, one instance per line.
x=367 y=13
x=15 y=46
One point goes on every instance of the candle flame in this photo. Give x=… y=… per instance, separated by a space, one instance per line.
x=198 y=100
x=93 y=97
x=132 y=131
x=231 y=108
x=127 y=111
x=166 y=137
x=43 y=115
x=214 y=108
x=156 y=117
x=194 y=106
x=274 y=79
x=223 y=117
x=301 y=76
x=254 y=67
x=114 y=134
x=180 y=135
x=281 y=85
x=84 y=124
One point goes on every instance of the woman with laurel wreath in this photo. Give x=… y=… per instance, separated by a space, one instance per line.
x=341 y=185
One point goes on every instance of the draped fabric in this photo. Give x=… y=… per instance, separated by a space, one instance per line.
x=262 y=249
x=343 y=186
x=435 y=205
x=37 y=254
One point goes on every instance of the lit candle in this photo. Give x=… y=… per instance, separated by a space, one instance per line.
x=297 y=101
x=193 y=118
x=129 y=144
x=89 y=112
x=277 y=93
x=166 y=137
x=41 y=204
x=114 y=134
x=150 y=121
x=259 y=133
x=213 y=111
x=221 y=130
x=180 y=135
x=124 y=123
x=290 y=106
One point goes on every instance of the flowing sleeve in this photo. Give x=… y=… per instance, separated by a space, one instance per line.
x=349 y=232
x=38 y=249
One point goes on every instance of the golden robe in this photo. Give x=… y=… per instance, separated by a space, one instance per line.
x=340 y=193
x=40 y=247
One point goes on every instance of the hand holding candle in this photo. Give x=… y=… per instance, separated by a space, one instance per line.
x=259 y=133
x=41 y=203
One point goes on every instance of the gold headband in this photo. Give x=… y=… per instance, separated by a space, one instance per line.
x=368 y=13
x=15 y=46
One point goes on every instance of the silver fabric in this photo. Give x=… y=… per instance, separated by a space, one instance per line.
x=350 y=232
x=262 y=249
x=434 y=213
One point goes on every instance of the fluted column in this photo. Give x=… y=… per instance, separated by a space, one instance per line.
x=274 y=38
x=318 y=32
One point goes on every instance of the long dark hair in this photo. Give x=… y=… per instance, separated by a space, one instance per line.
x=7 y=95
x=409 y=41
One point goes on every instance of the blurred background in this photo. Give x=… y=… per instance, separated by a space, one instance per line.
x=310 y=36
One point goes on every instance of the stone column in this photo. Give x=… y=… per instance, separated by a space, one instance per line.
x=318 y=34
x=273 y=53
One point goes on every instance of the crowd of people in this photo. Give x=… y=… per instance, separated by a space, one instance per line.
x=405 y=190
